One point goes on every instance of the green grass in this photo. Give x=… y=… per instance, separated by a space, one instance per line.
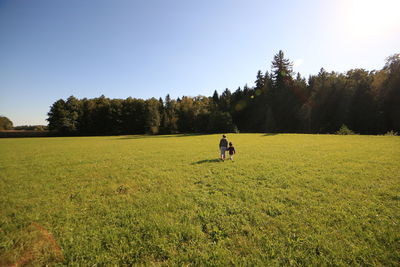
x=165 y=200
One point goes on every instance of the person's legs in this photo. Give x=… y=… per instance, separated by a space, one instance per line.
x=231 y=156
x=223 y=149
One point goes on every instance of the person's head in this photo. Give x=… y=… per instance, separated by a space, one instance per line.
x=223 y=136
x=230 y=144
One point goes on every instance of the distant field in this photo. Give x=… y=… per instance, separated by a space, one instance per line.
x=166 y=200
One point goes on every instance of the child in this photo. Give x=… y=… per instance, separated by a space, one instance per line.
x=231 y=150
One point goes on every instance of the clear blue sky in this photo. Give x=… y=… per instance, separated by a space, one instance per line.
x=51 y=49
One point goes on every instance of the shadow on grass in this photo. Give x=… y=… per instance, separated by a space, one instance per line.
x=270 y=134
x=206 y=161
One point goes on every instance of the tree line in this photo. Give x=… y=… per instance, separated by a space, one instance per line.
x=368 y=102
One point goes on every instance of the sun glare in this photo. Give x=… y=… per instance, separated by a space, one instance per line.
x=368 y=18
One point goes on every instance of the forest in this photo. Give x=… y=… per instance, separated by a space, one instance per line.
x=281 y=101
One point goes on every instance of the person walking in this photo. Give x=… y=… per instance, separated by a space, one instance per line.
x=223 y=144
x=231 y=150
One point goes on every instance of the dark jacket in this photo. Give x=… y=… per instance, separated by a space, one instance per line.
x=231 y=150
x=223 y=143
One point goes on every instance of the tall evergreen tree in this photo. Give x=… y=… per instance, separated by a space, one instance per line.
x=152 y=117
x=215 y=98
x=260 y=80
x=284 y=103
x=225 y=101
x=171 y=118
x=282 y=69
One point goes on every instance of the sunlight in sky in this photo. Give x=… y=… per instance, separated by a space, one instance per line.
x=369 y=18
x=53 y=49
x=297 y=62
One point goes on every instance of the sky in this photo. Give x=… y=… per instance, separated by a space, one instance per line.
x=51 y=49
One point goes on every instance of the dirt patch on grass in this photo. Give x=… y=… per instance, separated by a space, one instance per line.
x=33 y=246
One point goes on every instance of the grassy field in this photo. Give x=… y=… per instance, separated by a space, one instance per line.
x=166 y=200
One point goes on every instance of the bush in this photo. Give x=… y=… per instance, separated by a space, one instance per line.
x=344 y=130
x=391 y=133
x=5 y=123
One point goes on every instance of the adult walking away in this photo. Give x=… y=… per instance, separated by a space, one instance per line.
x=223 y=145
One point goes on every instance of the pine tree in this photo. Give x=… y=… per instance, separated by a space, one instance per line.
x=152 y=117
x=284 y=103
x=282 y=69
x=259 y=80
x=215 y=98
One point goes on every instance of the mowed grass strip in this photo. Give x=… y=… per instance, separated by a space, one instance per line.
x=166 y=200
